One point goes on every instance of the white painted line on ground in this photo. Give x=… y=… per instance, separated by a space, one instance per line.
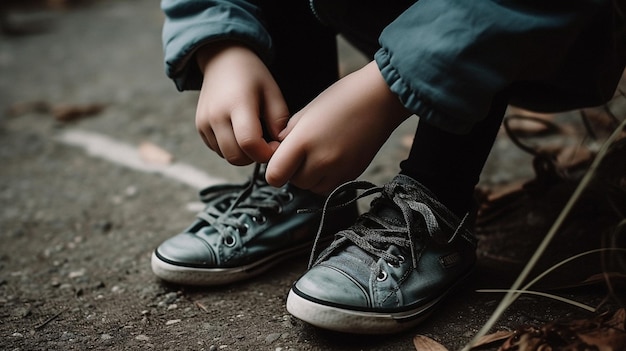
x=124 y=154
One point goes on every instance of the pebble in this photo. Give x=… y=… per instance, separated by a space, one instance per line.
x=78 y=273
x=17 y=335
x=69 y=336
x=172 y=321
x=106 y=337
x=131 y=191
x=272 y=337
x=170 y=297
x=142 y=337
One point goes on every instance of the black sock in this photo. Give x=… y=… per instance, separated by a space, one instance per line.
x=450 y=164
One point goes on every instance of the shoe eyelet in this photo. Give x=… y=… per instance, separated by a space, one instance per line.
x=229 y=241
x=289 y=197
x=381 y=276
x=243 y=230
x=259 y=220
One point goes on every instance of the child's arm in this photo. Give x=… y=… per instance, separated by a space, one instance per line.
x=238 y=94
x=335 y=137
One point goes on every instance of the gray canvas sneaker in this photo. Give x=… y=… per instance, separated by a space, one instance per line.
x=389 y=270
x=242 y=231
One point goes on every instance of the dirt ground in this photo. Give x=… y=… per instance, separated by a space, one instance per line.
x=88 y=123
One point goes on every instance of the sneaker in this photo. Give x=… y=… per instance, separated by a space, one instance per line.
x=388 y=271
x=242 y=231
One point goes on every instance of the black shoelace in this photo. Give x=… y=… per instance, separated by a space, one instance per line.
x=374 y=234
x=255 y=199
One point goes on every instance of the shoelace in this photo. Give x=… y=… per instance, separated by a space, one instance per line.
x=256 y=199
x=374 y=234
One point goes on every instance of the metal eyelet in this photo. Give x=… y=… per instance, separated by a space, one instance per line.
x=259 y=220
x=243 y=230
x=381 y=276
x=289 y=196
x=229 y=241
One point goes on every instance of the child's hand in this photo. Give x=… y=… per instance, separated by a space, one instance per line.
x=335 y=137
x=237 y=93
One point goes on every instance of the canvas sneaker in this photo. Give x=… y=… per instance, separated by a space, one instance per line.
x=388 y=271
x=242 y=231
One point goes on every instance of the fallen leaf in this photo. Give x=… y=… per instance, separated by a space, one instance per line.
x=604 y=332
x=424 y=343
x=66 y=113
x=152 y=153
x=531 y=124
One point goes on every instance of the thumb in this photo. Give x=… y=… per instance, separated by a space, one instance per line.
x=289 y=127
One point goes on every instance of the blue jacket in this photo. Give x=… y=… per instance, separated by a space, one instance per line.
x=446 y=59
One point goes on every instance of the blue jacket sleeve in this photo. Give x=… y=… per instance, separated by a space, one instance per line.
x=190 y=24
x=446 y=59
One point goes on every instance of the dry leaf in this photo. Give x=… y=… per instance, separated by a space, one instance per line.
x=604 y=333
x=424 y=343
x=152 y=153
x=531 y=124
x=63 y=113
x=66 y=113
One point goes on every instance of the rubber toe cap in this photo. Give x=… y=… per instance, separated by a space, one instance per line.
x=186 y=250
x=327 y=284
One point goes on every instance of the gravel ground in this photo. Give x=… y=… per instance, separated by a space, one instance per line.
x=77 y=228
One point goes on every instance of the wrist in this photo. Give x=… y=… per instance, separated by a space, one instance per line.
x=207 y=53
x=386 y=98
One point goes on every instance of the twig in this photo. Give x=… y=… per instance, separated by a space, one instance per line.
x=539 y=293
x=201 y=306
x=50 y=319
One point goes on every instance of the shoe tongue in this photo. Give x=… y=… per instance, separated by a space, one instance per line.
x=388 y=212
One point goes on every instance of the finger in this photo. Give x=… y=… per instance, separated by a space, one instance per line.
x=290 y=125
x=327 y=184
x=322 y=187
x=283 y=164
x=210 y=141
x=229 y=147
x=308 y=177
x=249 y=134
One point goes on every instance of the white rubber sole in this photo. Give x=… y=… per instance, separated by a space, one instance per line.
x=220 y=276
x=356 y=322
